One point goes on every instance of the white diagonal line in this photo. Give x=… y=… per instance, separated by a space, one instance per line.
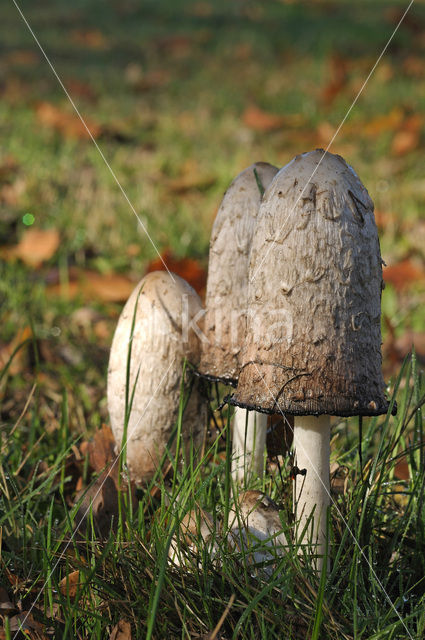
x=111 y=171
x=335 y=505
x=333 y=137
x=22 y=622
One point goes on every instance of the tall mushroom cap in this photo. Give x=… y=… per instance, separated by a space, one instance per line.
x=313 y=343
x=163 y=337
x=227 y=286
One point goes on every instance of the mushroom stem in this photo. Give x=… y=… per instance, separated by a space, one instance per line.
x=249 y=442
x=311 y=491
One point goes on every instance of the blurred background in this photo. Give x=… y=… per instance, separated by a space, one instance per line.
x=180 y=97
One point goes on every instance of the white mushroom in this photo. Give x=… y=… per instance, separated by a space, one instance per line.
x=255 y=529
x=196 y=532
x=163 y=337
x=226 y=306
x=313 y=342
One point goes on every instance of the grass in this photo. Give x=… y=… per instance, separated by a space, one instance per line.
x=168 y=84
x=375 y=588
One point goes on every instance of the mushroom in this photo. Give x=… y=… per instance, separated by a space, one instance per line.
x=226 y=305
x=255 y=529
x=313 y=342
x=163 y=336
x=196 y=529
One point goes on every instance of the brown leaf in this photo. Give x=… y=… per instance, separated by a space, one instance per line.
x=187 y=268
x=404 y=274
x=193 y=182
x=24 y=621
x=90 y=285
x=338 y=78
x=411 y=340
x=383 y=123
x=414 y=66
x=90 y=38
x=408 y=137
x=65 y=122
x=401 y=470
x=6 y=607
x=22 y=57
x=101 y=450
x=179 y=46
x=338 y=479
x=101 y=499
x=70 y=584
x=259 y=120
x=81 y=89
x=121 y=631
x=35 y=247
x=20 y=359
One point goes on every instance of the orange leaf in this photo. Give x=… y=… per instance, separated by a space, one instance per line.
x=101 y=450
x=384 y=122
x=403 y=274
x=65 y=122
x=187 y=268
x=20 y=358
x=121 y=631
x=90 y=38
x=259 y=120
x=90 y=285
x=407 y=138
x=36 y=246
x=69 y=585
x=337 y=79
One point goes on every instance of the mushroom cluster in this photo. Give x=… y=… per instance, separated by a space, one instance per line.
x=292 y=321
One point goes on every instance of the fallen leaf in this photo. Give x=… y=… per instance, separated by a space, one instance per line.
x=408 y=137
x=8 y=168
x=384 y=219
x=187 y=268
x=401 y=469
x=414 y=66
x=24 y=621
x=383 y=123
x=70 y=584
x=101 y=450
x=66 y=122
x=35 y=247
x=91 y=285
x=259 y=120
x=404 y=274
x=142 y=80
x=81 y=89
x=18 y=348
x=338 y=78
x=190 y=183
x=410 y=340
x=22 y=57
x=121 y=631
x=6 y=607
x=179 y=46
x=338 y=479
x=101 y=499
x=90 y=38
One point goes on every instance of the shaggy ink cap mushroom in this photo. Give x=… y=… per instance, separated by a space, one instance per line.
x=313 y=339
x=163 y=337
x=224 y=323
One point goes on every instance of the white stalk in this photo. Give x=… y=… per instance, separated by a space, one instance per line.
x=249 y=443
x=311 y=491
